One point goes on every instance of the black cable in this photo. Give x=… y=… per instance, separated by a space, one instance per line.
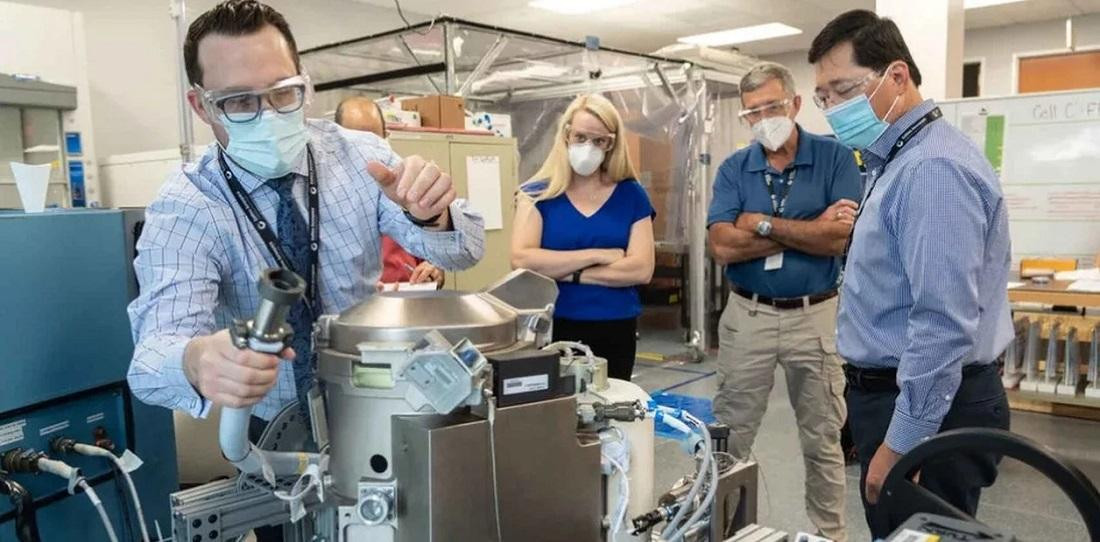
x=124 y=513
x=408 y=25
x=26 y=525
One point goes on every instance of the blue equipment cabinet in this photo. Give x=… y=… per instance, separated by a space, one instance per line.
x=65 y=346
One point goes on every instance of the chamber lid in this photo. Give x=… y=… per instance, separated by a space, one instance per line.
x=407 y=316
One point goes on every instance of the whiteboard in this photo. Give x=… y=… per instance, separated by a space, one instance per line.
x=1046 y=148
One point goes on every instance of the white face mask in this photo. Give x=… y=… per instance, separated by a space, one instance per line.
x=773 y=132
x=585 y=158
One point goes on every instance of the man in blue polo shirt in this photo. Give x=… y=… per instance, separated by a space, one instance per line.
x=782 y=211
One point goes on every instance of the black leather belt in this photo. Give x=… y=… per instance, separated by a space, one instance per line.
x=881 y=380
x=785 y=303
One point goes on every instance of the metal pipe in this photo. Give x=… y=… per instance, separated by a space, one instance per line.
x=484 y=64
x=697 y=234
x=1031 y=355
x=178 y=12
x=449 y=58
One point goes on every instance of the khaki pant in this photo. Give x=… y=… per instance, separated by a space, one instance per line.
x=753 y=339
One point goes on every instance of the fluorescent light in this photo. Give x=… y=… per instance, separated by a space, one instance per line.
x=974 y=4
x=742 y=35
x=577 y=7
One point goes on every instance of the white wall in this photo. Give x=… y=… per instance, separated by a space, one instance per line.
x=810 y=117
x=131 y=51
x=995 y=45
x=998 y=45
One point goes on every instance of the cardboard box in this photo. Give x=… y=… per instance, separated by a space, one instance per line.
x=447 y=112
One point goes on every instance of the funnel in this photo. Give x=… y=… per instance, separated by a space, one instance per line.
x=32 y=181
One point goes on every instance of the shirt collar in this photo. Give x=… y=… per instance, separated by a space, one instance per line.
x=250 y=182
x=881 y=148
x=803 y=155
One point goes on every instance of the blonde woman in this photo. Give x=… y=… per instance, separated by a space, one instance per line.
x=585 y=221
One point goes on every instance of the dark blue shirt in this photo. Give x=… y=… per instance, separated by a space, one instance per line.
x=825 y=172
x=565 y=228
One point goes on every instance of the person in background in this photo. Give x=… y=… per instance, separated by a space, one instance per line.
x=924 y=311
x=585 y=221
x=780 y=218
x=365 y=115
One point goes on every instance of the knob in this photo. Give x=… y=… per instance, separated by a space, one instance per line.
x=375 y=506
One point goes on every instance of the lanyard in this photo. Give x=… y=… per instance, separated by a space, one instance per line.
x=271 y=242
x=902 y=141
x=779 y=204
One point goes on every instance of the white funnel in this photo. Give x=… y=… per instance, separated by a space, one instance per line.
x=32 y=181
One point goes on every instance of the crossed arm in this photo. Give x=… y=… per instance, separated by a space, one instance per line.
x=826 y=235
x=604 y=267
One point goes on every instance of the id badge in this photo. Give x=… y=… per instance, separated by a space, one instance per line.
x=773 y=262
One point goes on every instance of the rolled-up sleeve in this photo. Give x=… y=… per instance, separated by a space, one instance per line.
x=460 y=248
x=941 y=226
x=179 y=277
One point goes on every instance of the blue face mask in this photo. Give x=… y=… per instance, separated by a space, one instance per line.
x=855 y=123
x=270 y=145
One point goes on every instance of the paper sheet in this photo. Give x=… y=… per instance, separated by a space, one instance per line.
x=483 y=183
x=1080 y=274
x=1085 y=286
x=1012 y=285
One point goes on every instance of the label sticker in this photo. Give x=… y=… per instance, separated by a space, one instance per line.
x=526 y=384
x=60 y=426
x=130 y=461
x=12 y=432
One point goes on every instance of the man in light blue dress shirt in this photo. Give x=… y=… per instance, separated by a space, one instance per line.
x=200 y=255
x=924 y=311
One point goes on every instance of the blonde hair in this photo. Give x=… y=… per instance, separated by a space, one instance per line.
x=557 y=171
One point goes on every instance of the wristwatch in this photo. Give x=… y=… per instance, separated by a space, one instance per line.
x=764 y=227
x=429 y=223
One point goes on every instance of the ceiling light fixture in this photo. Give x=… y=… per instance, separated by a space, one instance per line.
x=975 y=4
x=578 y=7
x=742 y=35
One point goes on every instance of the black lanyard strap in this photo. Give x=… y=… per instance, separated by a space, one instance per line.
x=263 y=228
x=779 y=203
x=903 y=140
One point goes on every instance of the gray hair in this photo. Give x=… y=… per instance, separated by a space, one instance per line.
x=763 y=72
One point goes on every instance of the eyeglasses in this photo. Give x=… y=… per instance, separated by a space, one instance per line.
x=602 y=142
x=236 y=106
x=843 y=91
x=773 y=109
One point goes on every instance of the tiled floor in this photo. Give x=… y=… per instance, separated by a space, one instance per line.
x=1022 y=501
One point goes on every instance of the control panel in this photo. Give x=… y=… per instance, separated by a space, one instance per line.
x=96 y=417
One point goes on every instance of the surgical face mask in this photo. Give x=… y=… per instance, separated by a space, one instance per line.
x=773 y=132
x=585 y=158
x=269 y=146
x=855 y=123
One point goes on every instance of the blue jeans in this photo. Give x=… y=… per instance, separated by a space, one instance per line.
x=957 y=478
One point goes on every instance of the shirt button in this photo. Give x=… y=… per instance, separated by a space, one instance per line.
x=946 y=397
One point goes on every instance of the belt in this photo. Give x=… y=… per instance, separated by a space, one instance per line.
x=882 y=380
x=787 y=302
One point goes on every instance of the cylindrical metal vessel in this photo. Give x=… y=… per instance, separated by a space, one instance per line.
x=359 y=349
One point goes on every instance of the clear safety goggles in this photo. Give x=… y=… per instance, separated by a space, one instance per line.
x=603 y=142
x=842 y=92
x=773 y=109
x=240 y=106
